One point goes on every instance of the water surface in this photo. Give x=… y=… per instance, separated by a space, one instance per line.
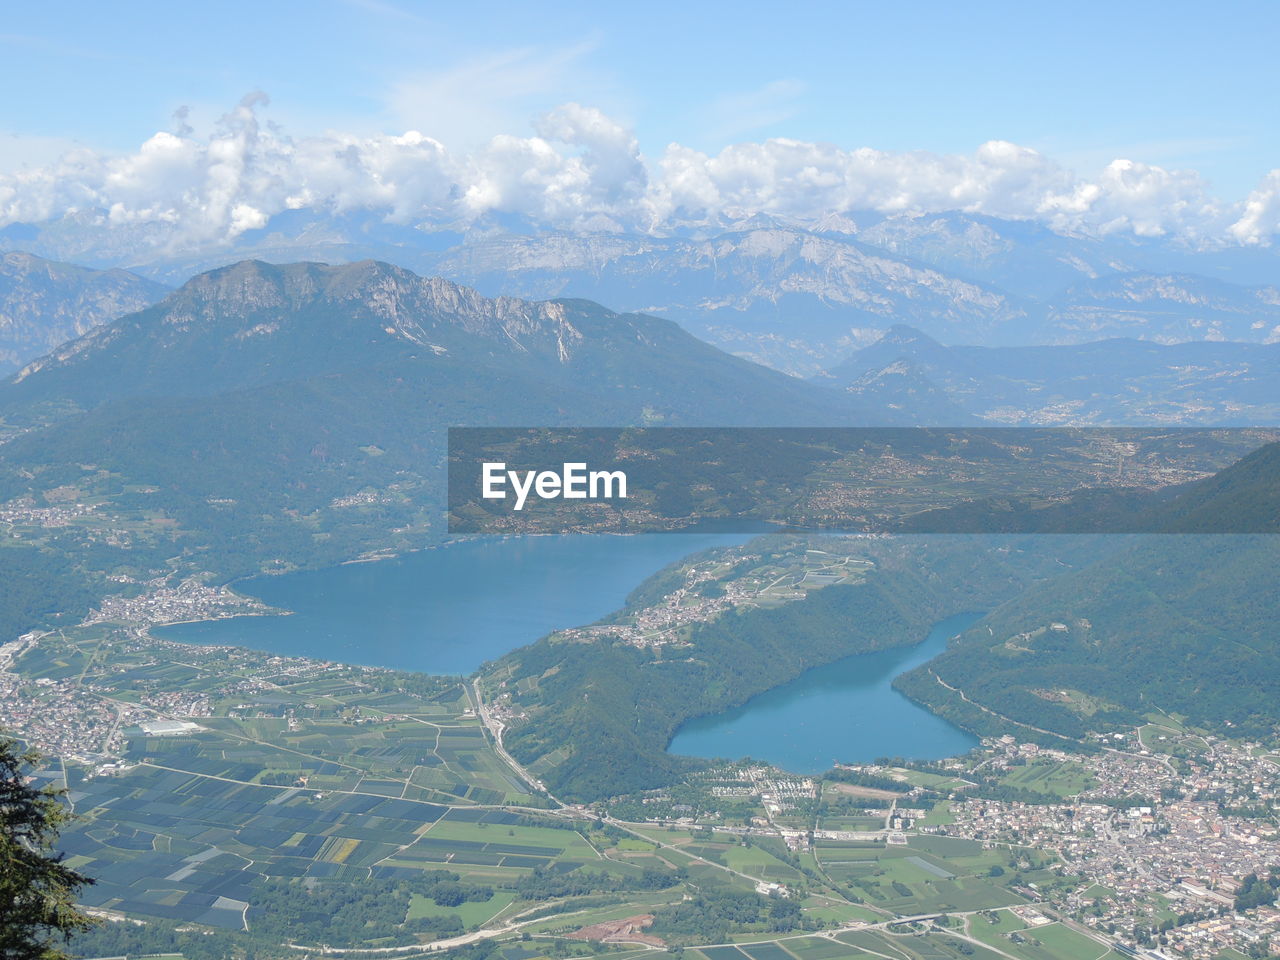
x=450 y=609
x=845 y=712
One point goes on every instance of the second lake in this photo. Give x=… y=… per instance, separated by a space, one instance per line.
x=846 y=712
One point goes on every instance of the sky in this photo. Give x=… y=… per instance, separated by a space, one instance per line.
x=1174 y=85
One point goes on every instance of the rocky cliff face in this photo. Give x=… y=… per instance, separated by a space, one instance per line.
x=254 y=299
x=1165 y=308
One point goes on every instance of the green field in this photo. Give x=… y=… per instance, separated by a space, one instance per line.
x=1056 y=941
x=1063 y=778
x=931 y=874
x=472 y=914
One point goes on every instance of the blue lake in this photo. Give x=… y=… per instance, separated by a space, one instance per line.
x=844 y=712
x=450 y=609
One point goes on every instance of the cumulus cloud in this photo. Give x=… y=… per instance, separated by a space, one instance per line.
x=1146 y=200
x=581 y=169
x=1260 y=220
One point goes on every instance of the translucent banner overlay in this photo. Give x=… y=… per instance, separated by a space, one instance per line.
x=864 y=480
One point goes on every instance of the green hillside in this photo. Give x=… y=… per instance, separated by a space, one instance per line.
x=1184 y=624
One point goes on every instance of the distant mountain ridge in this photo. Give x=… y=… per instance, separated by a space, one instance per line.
x=44 y=303
x=776 y=294
x=800 y=296
x=1180 y=307
x=255 y=323
x=253 y=314
x=1109 y=382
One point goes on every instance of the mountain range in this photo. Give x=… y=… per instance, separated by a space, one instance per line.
x=267 y=412
x=798 y=299
x=798 y=296
x=901 y=371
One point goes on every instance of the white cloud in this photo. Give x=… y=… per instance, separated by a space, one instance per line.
x=1146 y=200
x=806 y=181
x=1260 y=220
x=580 y=168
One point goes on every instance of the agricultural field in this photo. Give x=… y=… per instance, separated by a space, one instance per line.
x=190 y=847
x=923 y=778
x=290 y=770
x=764 y=858
x=939 y=816
x=195 y=847
x=930 y=874
x=860 y=824
x=1057 y=942
x=994 y=927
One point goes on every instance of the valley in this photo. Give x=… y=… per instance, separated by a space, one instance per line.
x=609 y=482
x=207 y=776
x=463 y=774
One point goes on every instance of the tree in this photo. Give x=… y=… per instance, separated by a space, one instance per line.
x=37 y=891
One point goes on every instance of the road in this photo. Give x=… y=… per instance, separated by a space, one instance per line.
x=496 y=728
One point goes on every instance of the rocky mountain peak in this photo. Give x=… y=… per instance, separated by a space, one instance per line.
x=257 y=296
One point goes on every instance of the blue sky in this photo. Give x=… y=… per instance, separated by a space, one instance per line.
x=1175 y=84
